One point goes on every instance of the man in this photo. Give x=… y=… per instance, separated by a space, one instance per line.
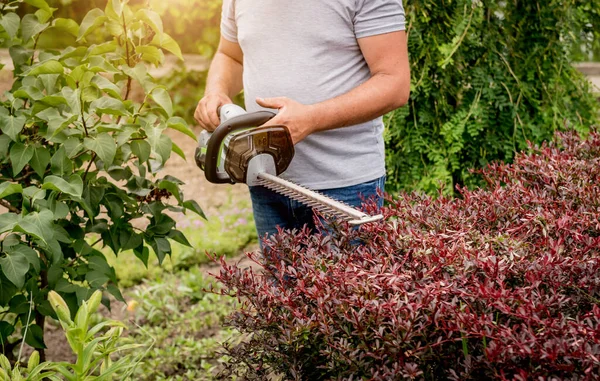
x=331 y=68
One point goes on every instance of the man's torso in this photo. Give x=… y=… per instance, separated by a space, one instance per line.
x=307 y=50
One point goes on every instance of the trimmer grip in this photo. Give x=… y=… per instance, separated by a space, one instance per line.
x=241 y=122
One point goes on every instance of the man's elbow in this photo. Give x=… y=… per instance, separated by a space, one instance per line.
x=401 y=92
x=403 y=96
x=399 y=89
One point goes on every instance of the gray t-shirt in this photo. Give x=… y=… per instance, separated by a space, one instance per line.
x=307 y=50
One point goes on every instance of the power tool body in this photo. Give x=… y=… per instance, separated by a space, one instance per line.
x=242 y=150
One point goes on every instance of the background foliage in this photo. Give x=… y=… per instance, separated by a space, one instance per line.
x=487 y=76
x=194 y=24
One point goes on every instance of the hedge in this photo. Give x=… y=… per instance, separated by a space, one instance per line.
x=499 y=283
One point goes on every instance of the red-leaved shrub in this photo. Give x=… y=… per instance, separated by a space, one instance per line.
x=502 y=283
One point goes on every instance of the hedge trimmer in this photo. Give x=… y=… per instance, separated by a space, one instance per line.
x=240 y=151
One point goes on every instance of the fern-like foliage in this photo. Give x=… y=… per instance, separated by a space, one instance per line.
x=487 y=76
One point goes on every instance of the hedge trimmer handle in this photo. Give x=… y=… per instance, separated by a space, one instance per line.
x=212 y=145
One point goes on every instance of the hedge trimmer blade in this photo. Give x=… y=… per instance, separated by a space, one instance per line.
x=326 y=205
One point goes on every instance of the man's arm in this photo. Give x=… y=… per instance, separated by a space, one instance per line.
x=223 y=83
x=386 y=90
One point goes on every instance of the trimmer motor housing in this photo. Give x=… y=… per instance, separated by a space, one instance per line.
x=239 y=149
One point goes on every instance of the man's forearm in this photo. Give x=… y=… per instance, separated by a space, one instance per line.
x=224 y=76
x=381 y=94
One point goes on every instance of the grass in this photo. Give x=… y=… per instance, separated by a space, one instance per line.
x=184 y=323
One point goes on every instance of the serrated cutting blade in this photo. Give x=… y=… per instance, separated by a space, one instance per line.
x=324 y=204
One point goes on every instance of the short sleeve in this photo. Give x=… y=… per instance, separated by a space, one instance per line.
x=375 y=17
x=228 y=25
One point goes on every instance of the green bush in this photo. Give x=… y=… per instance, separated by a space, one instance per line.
x=487 y=76
x=193 y=24
x=79 y=159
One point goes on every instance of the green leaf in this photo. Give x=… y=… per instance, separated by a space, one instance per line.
x=54 y=100
x=15 y=266
x=20 y=56
x=175 y=148
x=151 y=18
x=11 y=22
x=141 y=149
x=41 y=4
x=8 y=221
x=19 y=304
x=40 y=160
x=150 y=54
x=20 y=156
x=114 y=290
x=60 y=163
x=161 y=247
x=163 y=99
x=49 y=82
x=143 y=253
x=172 y=187
x=35 y=336
x=31 y=255
x=92 y=20
x=66 y=25
x=5 y=141
x=11 y=125
x=166 y=42
x=178 y=236
x=96 y=279
x=104 y=146
x=140 y=74
x=30 y=26
x=7 y=290
x=43 y=15
x=73 y=187
x=29 y=92
x=129 y=240
x=33 y=193
x=160 y=143
x=100 y=49
x=72 y=146
x=38 y=225
x=107 y=86
x=6 y=189
x=72 y=98
x=48 y=67
x=6 y=329
x=113 y=9
x=179 y=124
x=107 y=105
x=193 y=206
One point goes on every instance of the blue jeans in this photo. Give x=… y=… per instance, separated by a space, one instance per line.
x=272 y=210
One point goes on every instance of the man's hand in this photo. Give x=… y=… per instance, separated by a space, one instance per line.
x=207 y=112
x=300 y=119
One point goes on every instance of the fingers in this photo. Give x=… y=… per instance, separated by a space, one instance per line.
x=275 y=121
x=207 y=112
x=275 y=103
x=212 y=111
x=198 y=115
